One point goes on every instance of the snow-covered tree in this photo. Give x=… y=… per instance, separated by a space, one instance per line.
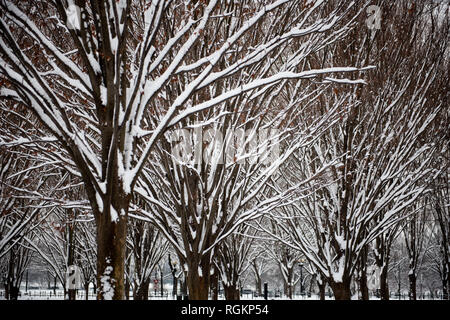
x=13 y=267
x=287 y=260
x=60 y=247
x=17 y=216
x=87 y=253
x=24 y=191
x=440 y=202
x=232 y=260
x=416 y=236
x=91 y=72
x=365 y=171
x=147 y=248
x=259 y=261
x=199 y=193
x=382 y=255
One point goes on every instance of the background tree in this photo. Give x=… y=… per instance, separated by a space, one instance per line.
x=362 y=171
x=382 y=254
x=91 y=78
x=147 y=249
x=440 y=199
x=233 y=261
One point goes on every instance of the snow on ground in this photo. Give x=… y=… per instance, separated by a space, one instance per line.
x=49 y=295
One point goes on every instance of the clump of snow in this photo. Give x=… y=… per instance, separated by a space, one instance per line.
x=106 y=282
x=99 y=201
x=114 y=215
x=339 y=273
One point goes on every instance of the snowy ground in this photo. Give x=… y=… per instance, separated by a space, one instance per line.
x=49 y=295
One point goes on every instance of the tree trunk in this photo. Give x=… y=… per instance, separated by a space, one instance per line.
x=321 y=284
x=72 y=294
x=183 y=285
x=198 y=284
x=6 y=284
x=258 y=281
x=173 y=270
x=290 y=290
x=384 y=286
x=311 y=285
x=321 y=290
x=258 y=285
x=111 y=237
x=175 y=285
x=362 y=266
x=127 y=289
x=198 y=287
x=13 y=292
x=162 y=282
x=363 y=285
x=445 y=295
x=142 y=291
x=215 y=284
x=231 y=292
x=287 y=283
x=412 y=286
x=127 y=267
x=341 y=290
x=86 y=290
x=445 y=279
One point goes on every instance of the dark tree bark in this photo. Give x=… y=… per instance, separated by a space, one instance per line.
x=13 y=292
x=127 y=289
x=364 y=289
x=161 y=281
x=443 y=218
x=175 y=286
x=341 y=290
x=414 y=232
x=412 y=286
x=54 y=285
x=383 y=245
x=231 y=292
x=198 y=287
x=384 y=286
x=198 y=278
x=71 y=293
x=321 y=290
x=5 y=284
x=86 y=291
x=173 y=270
x=445 y=295
x=363 y=285
x=321 y=284
x=215 y=284
x=111 y=238
x=184 y=285
x=258 y=281
x=142 y=291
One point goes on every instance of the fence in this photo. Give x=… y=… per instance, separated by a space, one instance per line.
x=80 y=295
x=49 y=294
x=246 y=295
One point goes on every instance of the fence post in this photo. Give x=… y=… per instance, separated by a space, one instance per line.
x=265 y=291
